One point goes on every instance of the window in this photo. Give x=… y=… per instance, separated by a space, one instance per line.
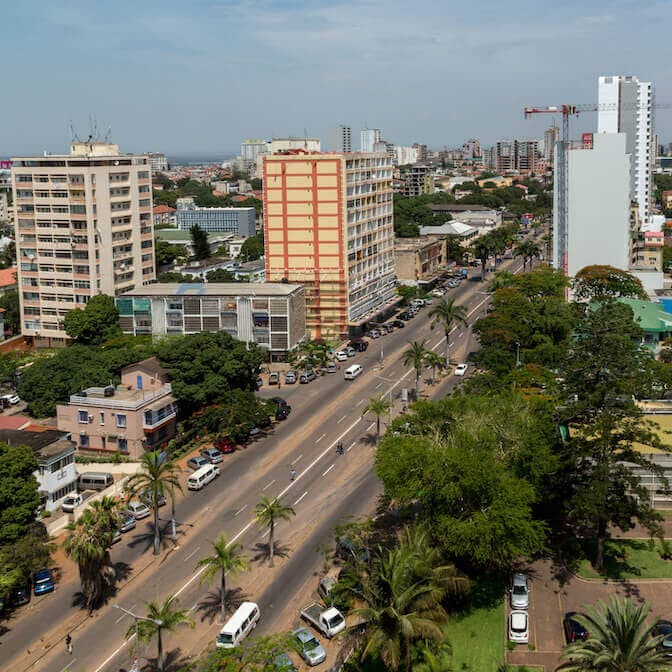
x=83 y=441
x=102 y=418
x=84 y=417
x=121 y=420
x=123 y=445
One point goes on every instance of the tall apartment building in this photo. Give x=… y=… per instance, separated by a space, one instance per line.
x=505 y=156
x=405 y=155
x=340 y=139
x=329 y=227
x=551 y=136
x=368 y=137
x=157 y=162
x=598 y=206
x=418 y=180
x=83 y=226
x=527 y=153
x=629 y=110
x=422 y=152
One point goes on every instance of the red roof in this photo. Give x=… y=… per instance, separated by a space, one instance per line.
x=7 y=277
x=13 y=422
x=163 y=209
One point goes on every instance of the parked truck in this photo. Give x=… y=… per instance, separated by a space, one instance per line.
x=328 y=620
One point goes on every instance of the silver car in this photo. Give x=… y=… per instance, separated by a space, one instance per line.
x=520 y=591
x=309 y=647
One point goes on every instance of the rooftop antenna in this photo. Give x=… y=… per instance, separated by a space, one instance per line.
x=108 y=135
x=305 y=139
x=73 y=135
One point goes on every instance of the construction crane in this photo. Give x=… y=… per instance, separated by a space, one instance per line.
x=561 y=226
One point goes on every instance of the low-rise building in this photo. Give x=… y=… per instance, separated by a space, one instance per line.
x=137 y=415
x=241 y=221
x=272 y=315
x=217 y=241
x=476 y=215
x=4 y=209
x=8 y=280
x=55 y=451
x=419 y=261
x=465 y=232
x=164 y=215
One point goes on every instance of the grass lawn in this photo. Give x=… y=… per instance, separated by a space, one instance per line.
x=477 y=636
x=627 y=559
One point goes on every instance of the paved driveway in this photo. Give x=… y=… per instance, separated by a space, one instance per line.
x=555 y=592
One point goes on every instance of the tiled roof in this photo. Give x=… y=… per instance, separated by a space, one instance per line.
x=7 y=277
x=163 y=209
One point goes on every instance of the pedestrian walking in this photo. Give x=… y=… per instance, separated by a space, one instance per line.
x=68 y=643
x=292 y=474
x=339 y=448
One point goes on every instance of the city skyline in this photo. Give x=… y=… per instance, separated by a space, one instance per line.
x=164 y=76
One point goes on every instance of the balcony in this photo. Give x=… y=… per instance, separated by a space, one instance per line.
x=154 y=419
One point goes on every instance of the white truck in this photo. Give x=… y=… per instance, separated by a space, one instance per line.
x=328 y=620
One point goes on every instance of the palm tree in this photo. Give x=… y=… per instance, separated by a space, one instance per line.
x=379 y=406
x=448 y=313
x=620 y=640
x=527 y=250
x=89 y=545
x=266 y=513
x=157 y=478
x=501 y=279
x=415 y=357
x=482 y=248
x=164 y=616
x=435 y=659
x=434 y=361
x=226 y=558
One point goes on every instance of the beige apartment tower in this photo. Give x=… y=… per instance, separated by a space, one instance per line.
x=329 y=227
x=83 y=227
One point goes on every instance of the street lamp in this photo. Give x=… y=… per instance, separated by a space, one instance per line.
x=137 y=618
x=518 y=362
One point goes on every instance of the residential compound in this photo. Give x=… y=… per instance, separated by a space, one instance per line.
x=509 y=156
x=271 y=315
x=137 y=415
x=83 y=227
x=627 y=107
x=420 y=261
x=328 y=226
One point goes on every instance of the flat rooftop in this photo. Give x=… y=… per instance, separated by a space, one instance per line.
x=214 y=289
x=45 y=444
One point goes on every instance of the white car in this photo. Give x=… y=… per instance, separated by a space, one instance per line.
x=437 y=293
x=341 y=355
x=519 y=627
x=460 y=370
x=138 y=510
x=71 y=502
x=12 y=399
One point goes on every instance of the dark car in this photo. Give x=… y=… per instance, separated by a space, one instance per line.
x=43 y=582
x=20 y=595
x=406 y=316
x=358 y=344
x=307 y=377
x=399 y=324
x=282 y=403
x=225 y=444
x=146 y=498
x=574 y=631
x=281 y=413
x=664 y=629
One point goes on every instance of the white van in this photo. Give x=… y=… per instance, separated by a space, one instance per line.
x=202 y=476
x=353 y=371
x=94 y=480
x=239 y=625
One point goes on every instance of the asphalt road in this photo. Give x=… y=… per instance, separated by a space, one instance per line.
x=326 y=411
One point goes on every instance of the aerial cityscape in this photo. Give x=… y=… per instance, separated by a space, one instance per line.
x=336 y=335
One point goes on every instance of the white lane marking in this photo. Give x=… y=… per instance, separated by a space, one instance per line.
x=192 y=554
x=338 y=422
x=300 y=498
x=69 y=665
x=193 y=606
x=123 y=616
x=320 y=438
x=240 y=510
x=266 y=487
x=371 y=426
x=297 y=459
x=359 y=403
x=379 y=385
x=351 y=446
x=328 y=470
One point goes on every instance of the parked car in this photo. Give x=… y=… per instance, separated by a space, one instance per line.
x=260 y=382
x=273 y=378
x=12 y=399
x=307 y=377
x=325 y=586
x=460 y=369
x=404 y=315
x=20 y=595
x=281 y=413
x=358 y=344
x=437 y=293
x=330 y=367
x=574 y=631
x=225 y=444
x=139 y=510
x=309 y=647
x=197 y=462
x=281 y=403
x=43 y=582
x=341 y=355
x=146 y=498
x=374 y=333
x=664 y=629
x=350 y=352
x=519 y=626
x=212 y=455
x=290 y=377
x=71 y=502
x=520 y=591
x=283 y=663
x=127 y=522
x=399 y=324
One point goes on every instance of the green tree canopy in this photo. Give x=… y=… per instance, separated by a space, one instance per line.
x=18 y=492
x=220 y=275
x=199 y=240
x=253 y=248
x=174 y=276
x=165 y=253
x=9 y=301
x=96 y=323
x=601 y=283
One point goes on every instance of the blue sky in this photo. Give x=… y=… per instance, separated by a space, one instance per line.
x=199 y=76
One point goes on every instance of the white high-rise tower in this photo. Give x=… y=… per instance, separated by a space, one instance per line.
x=630 y=104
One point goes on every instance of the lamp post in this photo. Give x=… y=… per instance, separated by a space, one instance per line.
x=518 y=362
x=137 y=618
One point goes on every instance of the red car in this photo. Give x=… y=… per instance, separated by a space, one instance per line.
x=225 y=444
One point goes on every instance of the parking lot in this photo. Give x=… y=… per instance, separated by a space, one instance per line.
x=554 y=591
